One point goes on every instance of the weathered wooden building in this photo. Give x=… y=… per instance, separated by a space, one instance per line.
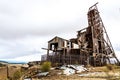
x=91 y=46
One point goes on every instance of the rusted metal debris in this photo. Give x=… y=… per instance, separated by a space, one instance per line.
x=91 y=47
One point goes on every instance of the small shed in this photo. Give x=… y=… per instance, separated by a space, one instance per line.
x=57 y=43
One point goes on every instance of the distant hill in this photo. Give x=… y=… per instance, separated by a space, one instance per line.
x=3 y=62
x=16 y=62
x=11 y=62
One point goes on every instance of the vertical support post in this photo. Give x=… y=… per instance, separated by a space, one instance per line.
x=47 y=55
x=64 y=55
x=7 y=72
x=88 y=60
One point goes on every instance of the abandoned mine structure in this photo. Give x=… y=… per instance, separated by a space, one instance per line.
x=91 y=47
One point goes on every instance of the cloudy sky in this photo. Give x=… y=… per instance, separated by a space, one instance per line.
x=27 y=25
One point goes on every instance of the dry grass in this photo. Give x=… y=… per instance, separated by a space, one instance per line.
x=3 y=72
x=12 y=69
x=103 y=74
x=72 y=77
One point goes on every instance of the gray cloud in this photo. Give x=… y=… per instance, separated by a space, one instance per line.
x=27 y=25
x=19 y=47
x=19 y=18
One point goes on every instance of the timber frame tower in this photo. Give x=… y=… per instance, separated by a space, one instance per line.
x=102 y=49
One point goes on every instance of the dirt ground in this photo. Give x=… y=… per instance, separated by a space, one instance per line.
x=97 y=73
x=72 y=77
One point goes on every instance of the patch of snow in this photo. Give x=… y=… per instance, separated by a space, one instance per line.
x=43 y=74
x=28 y=79
x=72 y=69
x=68 y=71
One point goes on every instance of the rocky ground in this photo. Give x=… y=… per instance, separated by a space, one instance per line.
x=96 y=73
x=90 y=73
